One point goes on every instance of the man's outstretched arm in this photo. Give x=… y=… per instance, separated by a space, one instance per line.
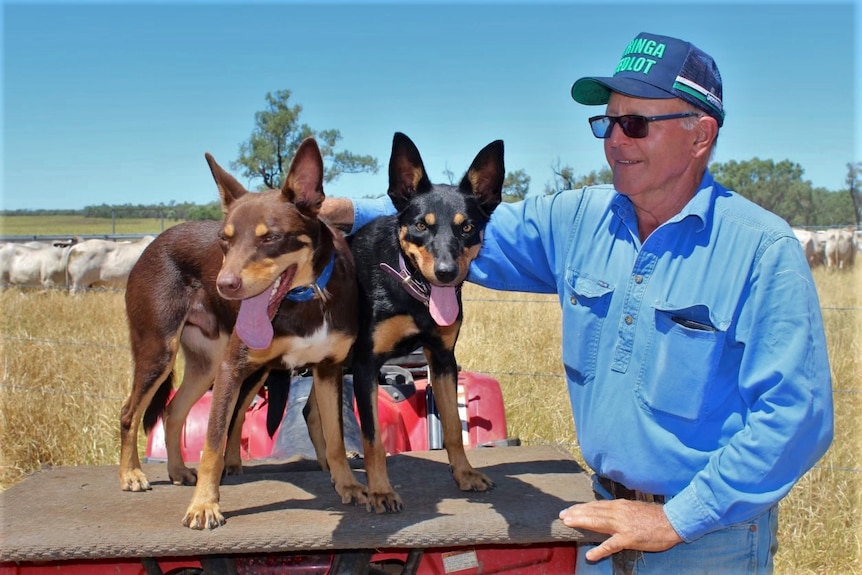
x=350 y=215
x=339 y=213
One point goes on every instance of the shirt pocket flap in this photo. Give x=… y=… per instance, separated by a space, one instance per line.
x=585 y=286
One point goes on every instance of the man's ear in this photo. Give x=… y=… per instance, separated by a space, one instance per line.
x=705 y=131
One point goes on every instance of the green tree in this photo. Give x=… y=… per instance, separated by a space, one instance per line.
x=566 y=179
x=594 y=178
x=854 y=185
x=778 y=187
x=210 y=211
x=276 y=136
x=832 y=209
x=515 y=186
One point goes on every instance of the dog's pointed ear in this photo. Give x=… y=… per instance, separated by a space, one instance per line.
x=486 y=176
x=229 y=190
x=303 y=185
x=407 y=175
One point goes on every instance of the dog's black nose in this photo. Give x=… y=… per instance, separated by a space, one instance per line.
x=446 y=271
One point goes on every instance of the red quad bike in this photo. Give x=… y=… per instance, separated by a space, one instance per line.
x=408 y=422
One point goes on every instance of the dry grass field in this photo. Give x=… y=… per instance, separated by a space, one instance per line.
x=24 y=225
x=66 y=372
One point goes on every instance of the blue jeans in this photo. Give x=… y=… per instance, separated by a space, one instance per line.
x=745 y=548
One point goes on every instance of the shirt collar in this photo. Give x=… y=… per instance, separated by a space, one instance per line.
x=699 y=206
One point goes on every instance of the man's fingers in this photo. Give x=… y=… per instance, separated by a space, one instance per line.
x=595 y=516
x=607 y=548
x=631 y=525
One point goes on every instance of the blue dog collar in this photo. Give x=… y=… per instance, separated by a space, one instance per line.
x=315 y=290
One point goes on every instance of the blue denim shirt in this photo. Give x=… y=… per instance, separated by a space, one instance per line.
x=696 y=361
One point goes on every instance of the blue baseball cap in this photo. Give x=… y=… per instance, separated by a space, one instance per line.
x=659 y=67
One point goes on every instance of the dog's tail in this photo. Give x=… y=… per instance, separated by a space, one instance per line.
x=159 y=402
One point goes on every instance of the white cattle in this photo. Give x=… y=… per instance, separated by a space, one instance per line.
x=812 y=246
x=32 y=264
x=102 y=263
x=840 y=248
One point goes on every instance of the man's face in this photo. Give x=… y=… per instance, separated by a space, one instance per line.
x=654 y=165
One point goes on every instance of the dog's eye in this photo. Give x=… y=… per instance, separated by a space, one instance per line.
x=467 y=229
x=421 y=226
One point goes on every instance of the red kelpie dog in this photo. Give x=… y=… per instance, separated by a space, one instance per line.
x=270 y=286
x=410 y=268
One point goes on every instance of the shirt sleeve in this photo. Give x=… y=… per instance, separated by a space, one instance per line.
x=368 y=209
x=785 y=379
x=524 y=244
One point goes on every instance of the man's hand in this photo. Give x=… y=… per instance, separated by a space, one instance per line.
x=338 y=212
x=630 y=524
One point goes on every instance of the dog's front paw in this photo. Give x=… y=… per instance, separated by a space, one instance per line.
x=230 y=469
x=134 y=480
x=183 y=475
x=354 y=493
x=232 y=462
x=472 y=480
x=388 y=502
x=200 y=516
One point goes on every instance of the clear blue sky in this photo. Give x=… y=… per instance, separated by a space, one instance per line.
x=116 y=103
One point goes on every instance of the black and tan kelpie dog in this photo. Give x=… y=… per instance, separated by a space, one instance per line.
x=410 y=268
x=270 y=286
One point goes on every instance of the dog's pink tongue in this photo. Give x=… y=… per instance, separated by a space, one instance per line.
x=443 y=305
x=253 y=325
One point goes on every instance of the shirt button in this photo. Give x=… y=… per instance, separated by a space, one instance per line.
x=574 y=300
x=629 y=319
x=639 y=278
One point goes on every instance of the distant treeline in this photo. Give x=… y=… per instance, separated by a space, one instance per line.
x=173 y=212
x=777 y=186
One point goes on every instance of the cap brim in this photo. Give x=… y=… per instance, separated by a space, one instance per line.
x=596 y=91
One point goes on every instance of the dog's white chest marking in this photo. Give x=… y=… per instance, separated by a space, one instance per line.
x=312 y=349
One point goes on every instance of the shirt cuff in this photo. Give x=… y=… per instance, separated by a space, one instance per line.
x=689 y=517
x=367 y=209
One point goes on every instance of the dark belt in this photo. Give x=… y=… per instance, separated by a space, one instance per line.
x=620 y=491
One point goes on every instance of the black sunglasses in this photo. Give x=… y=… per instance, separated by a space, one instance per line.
x=633 y=126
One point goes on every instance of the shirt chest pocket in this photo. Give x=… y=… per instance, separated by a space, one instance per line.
x=584 y=313
x=678 y=374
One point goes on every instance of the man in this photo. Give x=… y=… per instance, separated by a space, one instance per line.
x=693 y=344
